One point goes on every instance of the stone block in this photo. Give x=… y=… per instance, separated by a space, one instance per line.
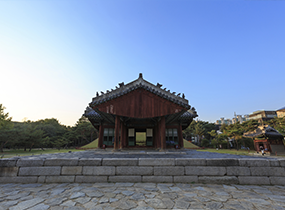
x=168 y=171
x=267 y=171
x=90 y=162
x=61 y=162
x=41 y=179
x=282 y=162
x=254 y=180
x=175 y=153
x=222 y=162
x=254 y=162
x=19 y=179
x=8 y=171
x=205 y=170
x=39 y=171
x=155 y=153
x=156 y=161
x=157 y=179
x=30 y=162
x=7 y=162
x=134 y=170
x=125 y=179
x=238 y=171
x=274 y=163
x=185 y=179
x=71 y=170
x=99 y=170
x=190 y=161
x=218 y=179
x=90 y=179
x=59 y=179
x=120 y=161
x=277 y=180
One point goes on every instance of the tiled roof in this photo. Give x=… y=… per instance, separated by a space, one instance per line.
x=140 y=83
x=189 y=115
x=92 y=114
x=263 y=130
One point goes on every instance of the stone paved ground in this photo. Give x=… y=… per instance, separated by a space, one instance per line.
x=99 y=153
x=139 y=196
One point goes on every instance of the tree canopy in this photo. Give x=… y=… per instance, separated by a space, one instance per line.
x=45 y=133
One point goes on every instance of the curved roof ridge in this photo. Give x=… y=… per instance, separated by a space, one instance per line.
x=139 y=83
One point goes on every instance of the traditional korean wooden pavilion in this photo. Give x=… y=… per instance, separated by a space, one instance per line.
x=140 y=114
x=267 y=137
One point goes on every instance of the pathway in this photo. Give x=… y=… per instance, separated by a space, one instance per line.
x=139 y=196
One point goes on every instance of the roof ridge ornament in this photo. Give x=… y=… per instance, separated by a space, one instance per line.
x=159 y=85
x=140 y=75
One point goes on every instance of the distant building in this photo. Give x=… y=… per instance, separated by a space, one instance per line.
x=267 y=137
x=237 y=118
x=240 y=119
x=262 y=115
x=223 y=121
x=280 y=112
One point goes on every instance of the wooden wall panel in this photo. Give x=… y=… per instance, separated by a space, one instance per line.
x=140 y=104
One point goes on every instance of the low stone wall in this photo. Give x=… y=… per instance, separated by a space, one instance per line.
x=178 y=170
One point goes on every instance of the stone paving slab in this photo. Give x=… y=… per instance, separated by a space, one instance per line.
x=140 y=196
x=83 y=156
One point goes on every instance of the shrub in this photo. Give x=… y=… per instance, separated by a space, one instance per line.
x=205 y=142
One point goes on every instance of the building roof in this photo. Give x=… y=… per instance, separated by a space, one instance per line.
x=263 y=131
x=140 y=83
x=92 y=114
x=260 y=111
x=282 y=109
x=97 y=116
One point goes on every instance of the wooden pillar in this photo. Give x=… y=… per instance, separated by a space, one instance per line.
x=158 y=136
x=162 y=134
x=117 y=133
x=180 y=137
x=155 y=137
x=101 y=136
x=126 y=136
x=122 y=135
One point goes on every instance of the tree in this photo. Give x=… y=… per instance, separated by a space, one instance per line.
x=53 y=133
x=189 y=131
x=278 y=124
x=84 y=131
x=5 y=126
x=218 y=138
x=213 y=133
x=208 y=127
x=235 y=131
x=223 y=127
x=199 y=131
x=205 y=143
x=30 y=135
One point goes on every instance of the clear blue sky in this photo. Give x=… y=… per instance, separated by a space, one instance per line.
x=226 y=56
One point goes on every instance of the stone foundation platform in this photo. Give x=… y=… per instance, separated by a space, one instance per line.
x=257 y=171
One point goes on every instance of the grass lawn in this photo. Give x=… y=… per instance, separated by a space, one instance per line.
x=13 y=153
x=189 y=145
x=226 y=151
x=92 y=145
x=140 y=137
